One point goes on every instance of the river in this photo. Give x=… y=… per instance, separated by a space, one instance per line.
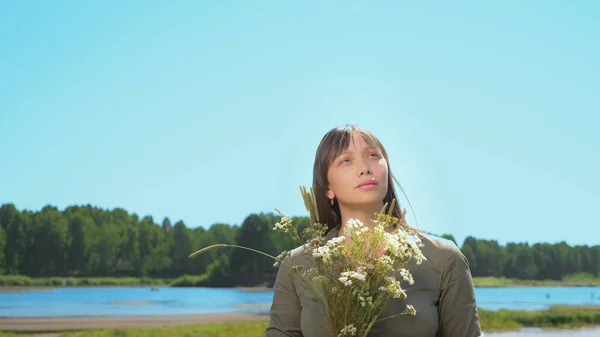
x=143 y=301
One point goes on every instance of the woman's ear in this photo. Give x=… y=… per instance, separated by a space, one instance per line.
x=329 y=194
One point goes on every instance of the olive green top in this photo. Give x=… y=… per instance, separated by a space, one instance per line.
x=442 y=295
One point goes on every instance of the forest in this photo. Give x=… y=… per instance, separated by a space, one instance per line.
x=90 y=241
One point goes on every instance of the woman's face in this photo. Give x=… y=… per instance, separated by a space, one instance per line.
x=359 y=176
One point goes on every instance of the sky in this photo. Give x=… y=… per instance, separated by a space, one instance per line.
x=206 y=112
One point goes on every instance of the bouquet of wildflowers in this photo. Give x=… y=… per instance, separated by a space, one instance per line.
x=352 y=275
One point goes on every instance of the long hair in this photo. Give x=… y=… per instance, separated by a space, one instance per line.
x=335 y=142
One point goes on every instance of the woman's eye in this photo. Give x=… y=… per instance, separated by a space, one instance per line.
x=343 y=161
x=376 y=155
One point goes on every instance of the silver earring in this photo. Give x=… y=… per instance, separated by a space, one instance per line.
x=331 y=202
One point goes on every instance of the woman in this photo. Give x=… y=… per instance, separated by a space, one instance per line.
x=352 y=180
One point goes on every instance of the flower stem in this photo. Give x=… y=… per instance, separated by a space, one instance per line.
x=370 y=326
x=222 y=245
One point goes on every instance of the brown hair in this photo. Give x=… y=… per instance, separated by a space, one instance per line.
x=332 y=145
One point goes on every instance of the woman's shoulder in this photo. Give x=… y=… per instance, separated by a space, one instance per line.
x=437 y=242
x=439 y=251
x=298 y=256
x=298 y=251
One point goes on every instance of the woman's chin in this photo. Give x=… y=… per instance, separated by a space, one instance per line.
x=370 y=203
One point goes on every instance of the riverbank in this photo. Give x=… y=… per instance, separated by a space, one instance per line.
x=556 y=317
x=254 y=323
x=500 y=282
x=61 y=324
x=20 y=281
x=16 y=289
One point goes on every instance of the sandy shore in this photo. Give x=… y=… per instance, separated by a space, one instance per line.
x=58 y=324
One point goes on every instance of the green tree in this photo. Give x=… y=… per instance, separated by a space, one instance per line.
x=16 y=236
x=470 y=255
x=254 y=233
x=559 y=255
x=490 y=258
x=89 y=240
x=218 y=273
x=520 y=262
x=223 y=233
x=585 y=256
x=107 y=249
x=145 y=244
x=595 y=260
x=181 y=249
x=542 y=255
x=468 y=249
x=574 y=261
x=166 y=225
x=202 y=238
x=129 y=252
x=2 y=246
x=50 y=243
x=81 y=230
x=154 y=249
x=8 y=215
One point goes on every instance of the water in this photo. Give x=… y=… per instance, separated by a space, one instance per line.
x=535 y=298
x=141 y=301
x=113 y=301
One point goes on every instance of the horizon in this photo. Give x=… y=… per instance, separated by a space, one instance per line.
x=209 y=112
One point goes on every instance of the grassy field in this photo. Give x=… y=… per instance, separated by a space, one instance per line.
x=188 y=281
x=563 y=317
x=25 y=281
x=568 y=281
x=555 y=317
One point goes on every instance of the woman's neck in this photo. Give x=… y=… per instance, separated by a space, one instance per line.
x=364 y=215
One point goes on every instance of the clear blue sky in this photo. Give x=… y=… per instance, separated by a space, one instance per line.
x=207 y=112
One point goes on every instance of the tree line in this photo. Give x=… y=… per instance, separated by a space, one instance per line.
x=90 y=241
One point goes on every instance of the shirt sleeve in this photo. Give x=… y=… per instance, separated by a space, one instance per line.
x=285 y=309
x=458 y=309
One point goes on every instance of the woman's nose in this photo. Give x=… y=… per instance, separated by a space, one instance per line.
x=364 y=170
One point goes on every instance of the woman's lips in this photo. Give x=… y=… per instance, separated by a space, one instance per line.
x=366 y=185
